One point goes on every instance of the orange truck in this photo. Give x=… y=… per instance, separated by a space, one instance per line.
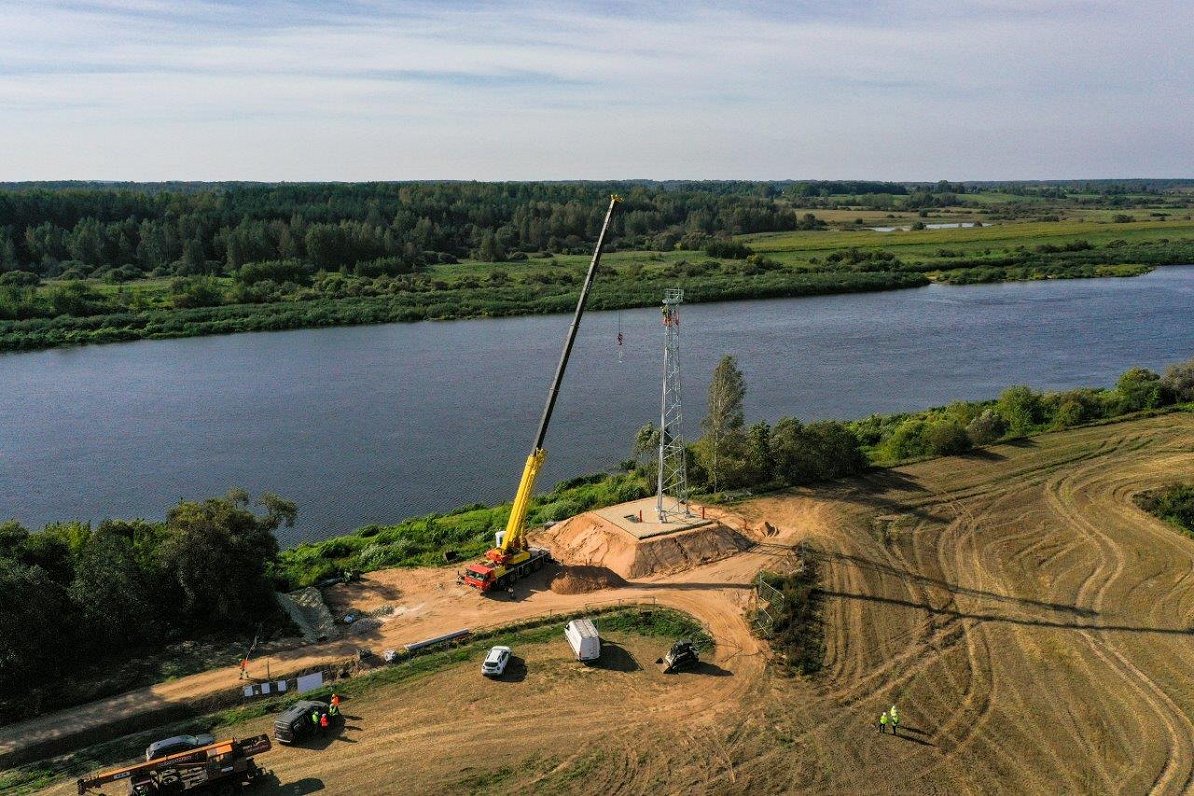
x=490 y=574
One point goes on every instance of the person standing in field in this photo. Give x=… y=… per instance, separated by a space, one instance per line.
x=883 y=722
x=895 y=720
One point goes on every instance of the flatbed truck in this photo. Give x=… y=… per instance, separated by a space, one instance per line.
x=223 y=767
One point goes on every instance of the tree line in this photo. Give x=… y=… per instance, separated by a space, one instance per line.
x=72 y=595
x=730 y=455
x=128 y=232
x=1019 y=411
x=123 y=232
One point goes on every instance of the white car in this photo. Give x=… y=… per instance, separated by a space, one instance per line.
x=495 y=662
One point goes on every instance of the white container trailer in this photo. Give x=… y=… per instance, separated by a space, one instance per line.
x=584 y=639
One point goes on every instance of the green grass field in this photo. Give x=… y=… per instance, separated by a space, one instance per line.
x=996 y=235
x=845 y=257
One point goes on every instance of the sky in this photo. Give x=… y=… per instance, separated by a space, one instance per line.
x=804 y=89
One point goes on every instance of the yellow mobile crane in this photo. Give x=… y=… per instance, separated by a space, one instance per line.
x=513 y=558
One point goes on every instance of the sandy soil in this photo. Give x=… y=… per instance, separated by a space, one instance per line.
x=584 y=579
x=425 y=603
x=1032 y=624
x=588 y=540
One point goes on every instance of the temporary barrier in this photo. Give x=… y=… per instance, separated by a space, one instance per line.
x=418 y=645
x=309 y=682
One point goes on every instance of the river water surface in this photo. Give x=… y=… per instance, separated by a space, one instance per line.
x=376 y=423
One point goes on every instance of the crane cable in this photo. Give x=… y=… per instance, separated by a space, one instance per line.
x=620 y=337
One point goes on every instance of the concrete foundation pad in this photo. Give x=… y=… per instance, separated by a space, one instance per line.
x=626 y=517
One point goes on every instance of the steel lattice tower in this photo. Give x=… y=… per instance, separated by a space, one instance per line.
x=672 y=499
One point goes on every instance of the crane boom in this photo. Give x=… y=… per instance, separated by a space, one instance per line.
x=514 y=538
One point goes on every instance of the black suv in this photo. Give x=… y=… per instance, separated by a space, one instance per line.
x=295 y=723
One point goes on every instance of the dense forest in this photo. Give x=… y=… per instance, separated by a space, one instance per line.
x=131 y=586
x=126 y=232
x=96 y=263
x=394 y=227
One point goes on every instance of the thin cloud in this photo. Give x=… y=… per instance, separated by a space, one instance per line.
x=300 y=90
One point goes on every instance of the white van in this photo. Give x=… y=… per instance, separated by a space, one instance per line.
x=584 y=639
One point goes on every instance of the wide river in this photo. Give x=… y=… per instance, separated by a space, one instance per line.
x=376 y=423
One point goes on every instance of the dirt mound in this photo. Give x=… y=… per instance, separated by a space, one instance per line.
x=584 y=579
x=681 y=551
x=587 y=540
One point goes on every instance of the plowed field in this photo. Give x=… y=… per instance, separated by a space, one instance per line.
x=1032 y=624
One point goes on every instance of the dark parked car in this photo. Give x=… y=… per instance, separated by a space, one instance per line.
x=179 y=743
x=295 y=723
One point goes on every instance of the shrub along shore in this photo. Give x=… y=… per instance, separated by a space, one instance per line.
x=760 y=457
x=132 y=587
x=387 y=301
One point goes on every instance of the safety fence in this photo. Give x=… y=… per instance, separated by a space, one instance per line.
x=294 y=685
x=770 y=603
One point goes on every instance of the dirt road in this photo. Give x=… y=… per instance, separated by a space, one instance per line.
x=427 y=602
x=1031 y=623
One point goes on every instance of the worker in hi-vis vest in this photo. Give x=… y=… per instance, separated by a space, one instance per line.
x=883 y=722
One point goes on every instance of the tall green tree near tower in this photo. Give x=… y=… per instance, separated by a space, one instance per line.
x=722 y=450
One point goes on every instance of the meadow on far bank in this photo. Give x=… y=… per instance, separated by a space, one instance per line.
x=91 y=265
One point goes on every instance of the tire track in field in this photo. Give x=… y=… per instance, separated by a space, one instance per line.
x=1067 y=496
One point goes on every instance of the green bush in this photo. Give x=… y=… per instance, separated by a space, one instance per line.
x=1179 y=381
x=19 y=279
x=907 y=441
x=1140 y=388
x=1021 y=408
x=1173 y=504
x=796 y=632
x=728 y=249
x=554 y=512
x=197 y=291
x=947 y=438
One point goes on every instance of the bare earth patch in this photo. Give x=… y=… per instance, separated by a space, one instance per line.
x=1031 y=622
x=584 y=579
x=588 y=540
